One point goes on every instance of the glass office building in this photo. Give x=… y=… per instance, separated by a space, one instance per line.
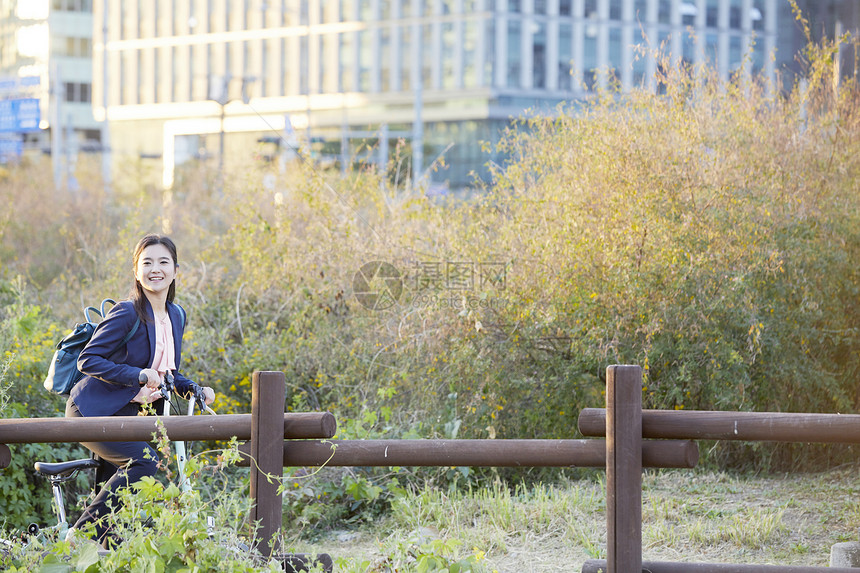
x=187 y=78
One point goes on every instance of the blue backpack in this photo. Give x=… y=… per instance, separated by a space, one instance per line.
x=63 y=373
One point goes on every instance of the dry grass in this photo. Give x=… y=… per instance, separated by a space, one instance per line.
x=687 y=516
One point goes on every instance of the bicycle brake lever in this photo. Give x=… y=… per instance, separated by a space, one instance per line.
x=166 y=387
x=200 y=398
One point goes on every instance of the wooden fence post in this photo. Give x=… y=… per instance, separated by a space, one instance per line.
x=268 y=394
x=624 y=469
x=5 y=456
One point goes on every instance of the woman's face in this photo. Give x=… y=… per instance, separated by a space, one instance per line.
x=155 y=269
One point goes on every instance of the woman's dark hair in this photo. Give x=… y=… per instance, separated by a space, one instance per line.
x=136 y=296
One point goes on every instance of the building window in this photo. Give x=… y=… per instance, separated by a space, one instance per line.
x=688 y=47
x=471 y=65
x=539 y=56
x=712 y=13
x=711 y=48
x=640 y=10
x=757 y=15
x=614 y=9
x=406 y=58
x=758 y=58
x=385 y=59
x=565 y=7
x=347 y=10
x=449 y=47
x=72 y=47
x=304 y=72
x=365 y=60
x=78 y=92
x=664 y=12
x=735 y=53
x=72 y=5
x=347 y=79
x=589 y=61
x=735 y=15
x=688 y=13
x=564 y=56
x=514 y=60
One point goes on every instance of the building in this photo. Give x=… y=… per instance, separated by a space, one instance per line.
x=46 y=54
x=200 y=78
x=207 y=80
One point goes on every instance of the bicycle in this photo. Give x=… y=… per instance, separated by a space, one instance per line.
x=60 y=472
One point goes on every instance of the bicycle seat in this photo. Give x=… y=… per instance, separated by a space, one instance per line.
x=65 y=468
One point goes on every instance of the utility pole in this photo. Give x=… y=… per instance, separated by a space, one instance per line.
x=56 y=126
x=418 y=87
x=106 y=150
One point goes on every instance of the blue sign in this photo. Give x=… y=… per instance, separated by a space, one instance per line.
x=8 y=84
x=19 y=115
x=11 y=147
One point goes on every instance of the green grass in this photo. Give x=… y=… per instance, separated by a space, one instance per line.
x=688 y=515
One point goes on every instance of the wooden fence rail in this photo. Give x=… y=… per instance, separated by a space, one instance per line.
x=477 y=453
x=133 y=428
x=266 y=427
x=746 y=426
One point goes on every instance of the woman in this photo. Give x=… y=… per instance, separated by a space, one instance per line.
x=113 y=379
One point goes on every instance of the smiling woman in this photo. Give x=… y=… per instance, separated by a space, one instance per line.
x=120 y=378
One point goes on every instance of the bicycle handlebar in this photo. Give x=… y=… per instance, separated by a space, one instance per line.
x=167 y=387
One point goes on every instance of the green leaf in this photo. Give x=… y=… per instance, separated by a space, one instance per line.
x=88 y=555
x=55 y=567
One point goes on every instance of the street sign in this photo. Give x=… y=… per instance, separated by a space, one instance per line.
x=19 y=86
x=19 y=115
x=10 y=148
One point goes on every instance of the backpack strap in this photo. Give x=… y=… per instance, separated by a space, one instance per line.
x=130 y=333
x=182 y=316
x=102 y=312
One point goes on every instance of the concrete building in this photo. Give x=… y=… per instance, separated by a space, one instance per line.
x=46 y=54
x=199 y=78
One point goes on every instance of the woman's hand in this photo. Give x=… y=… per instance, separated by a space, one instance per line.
x=153 y=378
x=209 y=393
x=147 y=395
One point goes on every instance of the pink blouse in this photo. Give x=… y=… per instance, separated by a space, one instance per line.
x=165 y=351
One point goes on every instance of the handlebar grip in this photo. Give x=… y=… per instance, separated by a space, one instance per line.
x=142 y=377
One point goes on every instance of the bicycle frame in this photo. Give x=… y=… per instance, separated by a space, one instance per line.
x=60 y=472
x=167 y=389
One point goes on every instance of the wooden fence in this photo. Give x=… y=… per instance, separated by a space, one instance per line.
x=277 y=440
x=625 y=424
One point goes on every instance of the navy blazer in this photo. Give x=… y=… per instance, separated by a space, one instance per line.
x=111 y=382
